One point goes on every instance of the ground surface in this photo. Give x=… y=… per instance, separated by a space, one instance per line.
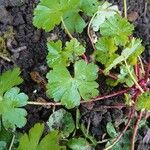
x=18 y=14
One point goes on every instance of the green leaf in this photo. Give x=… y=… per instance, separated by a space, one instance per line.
x=105 y=11
x=111 y=130
x=89 y=6
x=33 y=141
x=105 y=51
x=12 y=115
x=74 y=22
x=134 y=46
x=69 y=90
x=118 y=28
x=9 y=79
x=143 y=101
x=59 y=56
x=3 y=145
x=79 y=144
x=61 y=120
x=48 y=13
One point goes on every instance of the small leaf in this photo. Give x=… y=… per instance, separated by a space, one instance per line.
x=105 y=51
x=12 y=115
x=69 y=90
x=9 y=79
x=79 y=144
x=89 y=6
x=61 y=120
x=143 y=101
x=111 y=130
x=33 y=141
x=3 y=145
x=118 y=28
x=59 y=56
x=134 y=46
x=48 y=13
x=105 y=11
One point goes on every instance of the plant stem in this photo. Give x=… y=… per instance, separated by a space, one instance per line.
x=66 y=29
x=88 y=31
x=147 y=72
x=12 y=142
x=142 y=65
x=122 y=133
x=110 y=74
x=135 y=130
x=134 y=80
x=125 y=8
x=107 y=96
x=43 y=104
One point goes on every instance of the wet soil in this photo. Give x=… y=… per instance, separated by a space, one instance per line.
x=18 y=14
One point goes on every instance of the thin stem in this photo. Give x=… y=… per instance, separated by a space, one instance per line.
x=107 y=96
x=142 y=65
x=43 y=104
x=135 y=130
x=114 y=77
x=125 y=8
x=88 y=31
x=147 y=72
x=103 y=141
x=134 y=80
x=12 y=142
x=122 y=133
x=66 y=29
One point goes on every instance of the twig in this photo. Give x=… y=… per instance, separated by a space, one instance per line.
x=12 y=142
x=122 y=133
x=44 y=104
x=135 y=130
x=66 y=29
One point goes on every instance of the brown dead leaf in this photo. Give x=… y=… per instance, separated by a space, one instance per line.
x=133 y=16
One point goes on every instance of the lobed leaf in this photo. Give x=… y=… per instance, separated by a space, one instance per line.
x=59 y=56
x=61 y=120
x=105 y=11
x=33 y=140
x=12 y=115
x=69 y=90
x=9 y=79
x=118 y=28
x=143 y=101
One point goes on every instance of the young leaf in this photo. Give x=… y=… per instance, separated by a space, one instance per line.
x=59 y=56
x=79 y=144
x=118 y=28
x=12 y=115
x=61 y=120
x=143 y=101
x=74 y=22
x=134 y=46
x=105 y=11
x=69 y=90
x=111 y=130
x=9 y=79
x=48 y=13
x=89 y=6
x=33 y=141
x=105 y=51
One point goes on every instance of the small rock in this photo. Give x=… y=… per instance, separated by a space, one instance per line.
x=133 y=16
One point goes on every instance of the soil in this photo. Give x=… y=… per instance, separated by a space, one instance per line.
x=18 y=14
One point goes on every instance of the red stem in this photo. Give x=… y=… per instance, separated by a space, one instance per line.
x=122 y=133
x=107 y=96
x=135 y=130
x=114 y=77
x=147 y=72
x=85 y=58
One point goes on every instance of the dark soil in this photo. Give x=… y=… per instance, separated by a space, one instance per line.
x=18 y=14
